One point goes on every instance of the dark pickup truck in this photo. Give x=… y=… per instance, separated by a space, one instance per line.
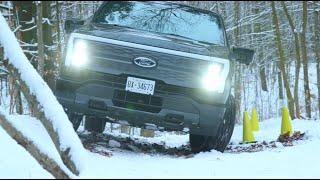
x=154 y=65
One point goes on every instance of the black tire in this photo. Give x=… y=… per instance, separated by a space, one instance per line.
x=219 y=142
x=94 y=124
x=75 y=119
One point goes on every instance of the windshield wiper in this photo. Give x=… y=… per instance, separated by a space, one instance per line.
x=193 y=41
x=209 y=43
x=117 y=25
x=177 y=35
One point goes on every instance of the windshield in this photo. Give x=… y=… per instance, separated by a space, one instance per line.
x=167 y=18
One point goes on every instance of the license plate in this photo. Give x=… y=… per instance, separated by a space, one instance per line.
x=138 y=85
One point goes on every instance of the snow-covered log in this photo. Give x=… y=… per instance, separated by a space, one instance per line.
x=46 y=107
x=44 y=160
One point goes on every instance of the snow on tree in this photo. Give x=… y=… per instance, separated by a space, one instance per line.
x=45 y=105
x=19 y=130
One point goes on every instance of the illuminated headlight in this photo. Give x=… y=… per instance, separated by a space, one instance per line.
x=214 y=80
x=77 y=55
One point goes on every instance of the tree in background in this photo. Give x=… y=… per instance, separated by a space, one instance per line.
x=253 y=28
x=305 y=59
x=316 y=49
x=282 y=62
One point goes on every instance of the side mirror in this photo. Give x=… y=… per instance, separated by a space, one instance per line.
x=72 y=24
x=242 y=55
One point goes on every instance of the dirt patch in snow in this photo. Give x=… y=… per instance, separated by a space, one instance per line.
x=282 y=141
x=98 y=142
x=105 y=144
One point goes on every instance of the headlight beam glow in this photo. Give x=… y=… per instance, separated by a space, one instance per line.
x=79 y=55
x=212 y=80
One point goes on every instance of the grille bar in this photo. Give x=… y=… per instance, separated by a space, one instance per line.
x=137 y=101
x=119 y=81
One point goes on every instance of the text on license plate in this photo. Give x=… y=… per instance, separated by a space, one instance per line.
x=138 y=85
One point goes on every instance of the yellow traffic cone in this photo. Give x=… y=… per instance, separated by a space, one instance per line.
x=254 y=120
x=286 y=121
x=247 y=131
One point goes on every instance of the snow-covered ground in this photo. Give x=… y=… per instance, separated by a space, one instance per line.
x=16 y=162
x=299 y=161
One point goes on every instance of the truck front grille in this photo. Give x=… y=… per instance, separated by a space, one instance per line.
x=137 y=101
x=119 y=82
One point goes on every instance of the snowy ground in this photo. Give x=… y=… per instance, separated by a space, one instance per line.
x=299 y=161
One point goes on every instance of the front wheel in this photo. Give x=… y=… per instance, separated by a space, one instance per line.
x=94 y=124
x=75 y=119
x=219 y=142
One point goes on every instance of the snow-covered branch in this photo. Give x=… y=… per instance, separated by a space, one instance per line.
x=42 y=100
x=23 y=132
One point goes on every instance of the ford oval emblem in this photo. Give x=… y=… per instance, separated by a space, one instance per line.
x=145 y=62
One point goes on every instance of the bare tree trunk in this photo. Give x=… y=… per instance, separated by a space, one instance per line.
x=237 y=76
x=49 y=58
x=316 y=49
x=305 y=59
x=11 y=93
x=40 y=39
x=298 y=60
x=58 y=31
x=280 y=86
x=260 y=68
x=282 y=60
x=15 y=98
x=263 y=78
x=46 y=162
x=16 y=89
x=18 y=101
x=25 y=14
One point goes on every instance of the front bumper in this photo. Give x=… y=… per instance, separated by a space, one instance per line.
x=105 y=97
